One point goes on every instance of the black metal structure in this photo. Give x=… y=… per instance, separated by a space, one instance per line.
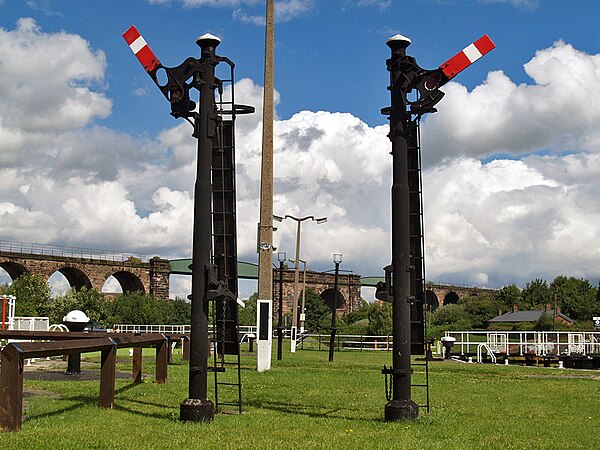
x=334 y=305
x=214 y=275
x=281 y=256
x=414 y=92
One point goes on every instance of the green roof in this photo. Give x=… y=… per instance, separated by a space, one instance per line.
x=248 y=271
x=245 y=269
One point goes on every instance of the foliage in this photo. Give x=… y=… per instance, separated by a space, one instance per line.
x=508 y=296
x=247 y=314
x=90 y=301
x=380 y=319
x=536 y=295
x=318 y=314
x=178 y=312
x=576 y=297
x=480 y=309
x=137 y=308
x=358 y=314
x=33 y=295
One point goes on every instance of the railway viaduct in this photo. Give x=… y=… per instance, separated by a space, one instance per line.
x=91 y=268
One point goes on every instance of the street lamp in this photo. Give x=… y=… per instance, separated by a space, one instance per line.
x=281 y=257
x=337 y=259
x=299 y=220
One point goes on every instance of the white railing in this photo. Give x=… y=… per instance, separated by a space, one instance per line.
x=171 y=329
x=521 y=343
x=346 y=342
x=31 y=324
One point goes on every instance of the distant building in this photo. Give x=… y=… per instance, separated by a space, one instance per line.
x=531 y=316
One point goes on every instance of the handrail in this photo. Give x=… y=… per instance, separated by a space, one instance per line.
x=30 y=248
x=480 y=348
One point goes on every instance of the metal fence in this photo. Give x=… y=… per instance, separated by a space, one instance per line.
x=521 y=343
x=353 y=342
x=305 y=341
x=28 y=248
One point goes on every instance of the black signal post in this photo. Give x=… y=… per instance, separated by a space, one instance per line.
x=198 y=408
x=407 y=78
x=400 y=406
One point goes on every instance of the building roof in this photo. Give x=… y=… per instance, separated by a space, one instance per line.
x=529 y=316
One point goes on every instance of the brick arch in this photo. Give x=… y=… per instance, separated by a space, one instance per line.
x=451 y=298
x=13 y=269
x=77 y=278
x=149 y=277
x=129 y=281
x=431 y=300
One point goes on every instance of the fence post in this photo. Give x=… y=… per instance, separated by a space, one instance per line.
x=136 y=376
x=11 y=392
x=107 y=377
x=162 y=351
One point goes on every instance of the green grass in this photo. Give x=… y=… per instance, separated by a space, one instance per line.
x=306 y=402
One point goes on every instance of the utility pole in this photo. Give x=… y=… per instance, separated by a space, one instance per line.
x=265 y=226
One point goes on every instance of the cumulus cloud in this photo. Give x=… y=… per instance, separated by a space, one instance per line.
x=510 y=221
x=499 y=221
x=558 y=112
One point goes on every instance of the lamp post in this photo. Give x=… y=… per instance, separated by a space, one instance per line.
x=281 y=257
x=299 y=220
x=337 y=259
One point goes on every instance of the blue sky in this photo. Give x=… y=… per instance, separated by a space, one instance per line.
x=90 y=157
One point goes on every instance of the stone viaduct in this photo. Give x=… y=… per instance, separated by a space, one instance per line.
x=91 y=268
x=87 y=268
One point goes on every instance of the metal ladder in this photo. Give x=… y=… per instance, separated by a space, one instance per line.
x=419 y=344
x=226 y=348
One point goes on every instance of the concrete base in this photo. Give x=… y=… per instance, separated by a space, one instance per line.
x=396 y=410
x=196 y=410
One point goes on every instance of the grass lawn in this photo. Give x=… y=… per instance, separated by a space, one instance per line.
x=307 y=402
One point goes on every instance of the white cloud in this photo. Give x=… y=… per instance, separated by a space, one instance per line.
x=503 y=221
x=559 y=112
x=48 y=80
x=525 y=4
x=511 y=221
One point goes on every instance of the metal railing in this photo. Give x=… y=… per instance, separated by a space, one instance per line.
x=306 y=341
x=29 y=248
x=346 y=342
x=521 y=343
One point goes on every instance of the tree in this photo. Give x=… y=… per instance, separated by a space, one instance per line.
x=90 y=301
x=247 y=314
x=318 y=314
x=137 y=308
x=536 y=295
x=576 y=297
x=33 y=295
x=179 y=312
x=508 y=296
x=480 y=309
x=380 y=319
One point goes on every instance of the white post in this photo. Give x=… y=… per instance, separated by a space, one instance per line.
x=264 y=322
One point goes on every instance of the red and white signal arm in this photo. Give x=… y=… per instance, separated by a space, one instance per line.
x=467 y=56
x=142 y=51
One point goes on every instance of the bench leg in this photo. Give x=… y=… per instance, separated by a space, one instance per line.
x=107 y=377
x=136 y=376
x=11 y=393
x=162 y=351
